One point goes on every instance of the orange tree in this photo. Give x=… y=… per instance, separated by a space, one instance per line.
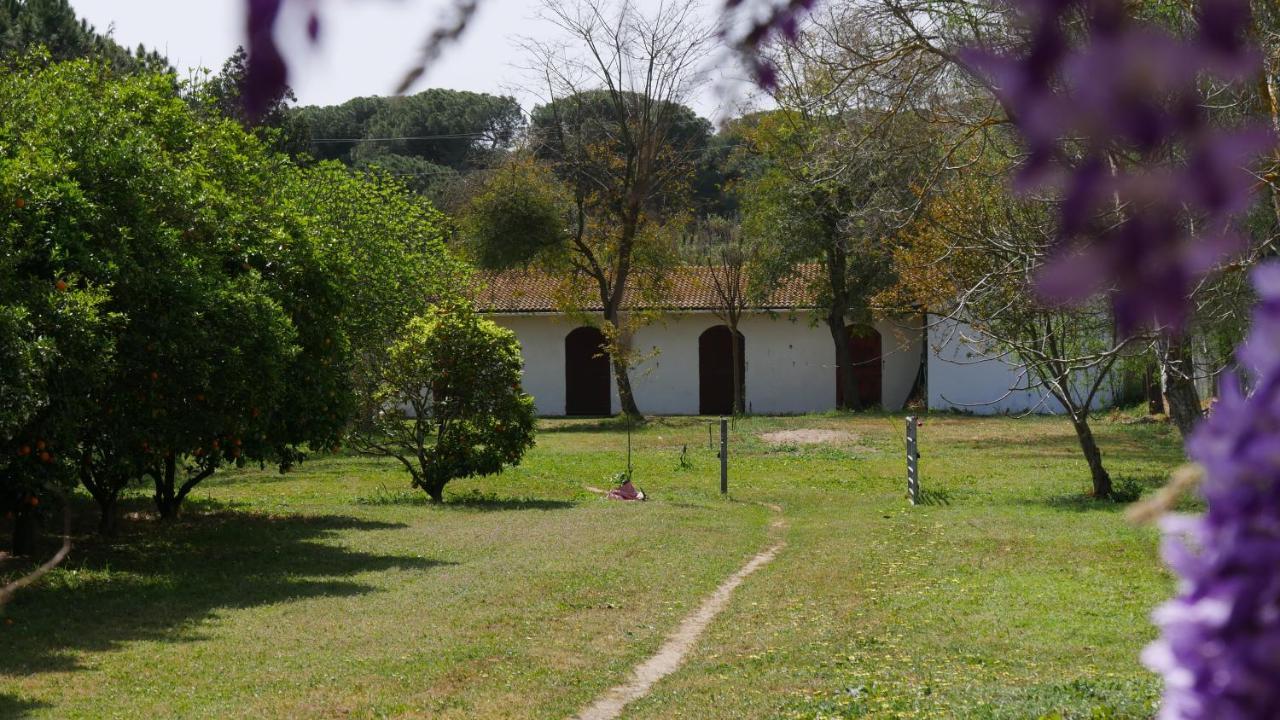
x=176 y=310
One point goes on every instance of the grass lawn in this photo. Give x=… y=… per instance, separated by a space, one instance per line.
x=334 y=591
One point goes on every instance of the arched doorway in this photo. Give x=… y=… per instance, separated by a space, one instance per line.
x=715 y=370
x=868 y=368
x=586 y=373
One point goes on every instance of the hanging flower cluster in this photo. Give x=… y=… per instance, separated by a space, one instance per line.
x=750 y=24
x=1219 y=651
x=268 y=73
x=1132 y=91
x=1103 y=121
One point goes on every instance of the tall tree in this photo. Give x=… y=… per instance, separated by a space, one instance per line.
x=615 y=131
x=823 y=201
x=53 y=25
x=428 y=140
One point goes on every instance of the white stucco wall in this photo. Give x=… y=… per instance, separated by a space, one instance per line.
x=975 y=377
x=790 y=363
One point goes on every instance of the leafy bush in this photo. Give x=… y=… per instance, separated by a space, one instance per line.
x=446 y=401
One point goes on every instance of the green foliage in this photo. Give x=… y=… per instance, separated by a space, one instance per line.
x=522 y=214
x=221 y=95
x=811 y=204
x=426 y=139
x=447 y=402
x=166 y=282
x=383 y=247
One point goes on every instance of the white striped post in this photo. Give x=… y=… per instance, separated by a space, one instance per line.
x=913 y=461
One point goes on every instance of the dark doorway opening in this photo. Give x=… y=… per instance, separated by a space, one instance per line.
x=586 y=373
x=868 y=366
x=715 y=370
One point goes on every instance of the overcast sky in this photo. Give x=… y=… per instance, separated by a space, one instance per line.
x=366 y=44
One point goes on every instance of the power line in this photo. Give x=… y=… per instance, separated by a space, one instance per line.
x=454 y=136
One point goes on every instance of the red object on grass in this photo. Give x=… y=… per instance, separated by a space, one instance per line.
x=625 y=491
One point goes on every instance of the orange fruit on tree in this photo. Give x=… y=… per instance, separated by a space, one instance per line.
x=24 y=451
x=34 y=501
x=20 y=202
x=154 y=376
x=61 y=285
x=46 y=457
x=40 y=445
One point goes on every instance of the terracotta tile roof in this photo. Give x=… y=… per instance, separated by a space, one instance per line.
x=688 y=287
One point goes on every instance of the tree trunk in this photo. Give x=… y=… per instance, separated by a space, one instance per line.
x=104 y=489
x=1176 y=376
x=109 y=520
x=739 y=389
x=626 y=398
x=1151 y=387
x=848 y=399
x=621 y=370
x=166 y=503
x=1093 y=456
x=26 y=533
x=435 y=491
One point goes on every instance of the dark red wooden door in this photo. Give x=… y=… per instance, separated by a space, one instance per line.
x=586 y=373
x=715 y=370
x=866 y=354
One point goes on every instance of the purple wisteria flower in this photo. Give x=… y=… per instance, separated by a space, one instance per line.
x=750 y=24
x=1220 y=649
x=1101 y=120
x=268 y=73
x=1132 y=91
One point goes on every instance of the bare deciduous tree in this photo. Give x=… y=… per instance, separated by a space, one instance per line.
x=729 y=259
x=615 y=129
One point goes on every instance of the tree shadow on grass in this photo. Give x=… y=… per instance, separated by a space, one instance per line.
x=1125 y=490
x=157 y=582
x=472 y=500
x=934 y=497
x=13 y=707
x=613 y=424
x=477 y=501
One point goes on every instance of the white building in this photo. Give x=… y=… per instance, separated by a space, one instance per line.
x=685 y=365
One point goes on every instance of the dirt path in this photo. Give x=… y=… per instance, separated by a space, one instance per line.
x=673 y=652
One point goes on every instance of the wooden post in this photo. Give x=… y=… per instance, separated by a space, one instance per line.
x=724 y=456
x=913 y=462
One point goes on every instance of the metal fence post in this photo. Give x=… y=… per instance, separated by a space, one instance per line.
x=724 y=456
x=913 y=461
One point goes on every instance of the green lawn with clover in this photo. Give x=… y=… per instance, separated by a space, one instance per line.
x=335 y=591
